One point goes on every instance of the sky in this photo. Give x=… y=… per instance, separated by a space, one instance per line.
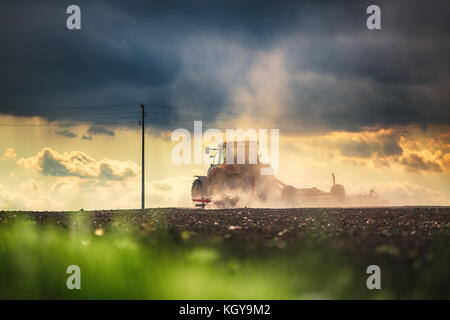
x=370 y=105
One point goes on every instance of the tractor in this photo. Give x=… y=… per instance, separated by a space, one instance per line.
x=228 y=185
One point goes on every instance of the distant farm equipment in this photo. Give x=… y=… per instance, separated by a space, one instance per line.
x=228 y=185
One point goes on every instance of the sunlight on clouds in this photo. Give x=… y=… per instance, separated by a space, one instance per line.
x=9 y=154
x=43 y=170
x=12 y=201
x=407 y=149
x=76 y=163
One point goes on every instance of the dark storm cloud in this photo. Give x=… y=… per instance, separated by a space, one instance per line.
x=415 y=163
x=163 y=53
x=50 y=166
x=85 y=137
x=66 y=133
x=95 y=130
x=386 y=145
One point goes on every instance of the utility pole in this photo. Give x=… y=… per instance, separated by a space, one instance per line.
x=142 y=123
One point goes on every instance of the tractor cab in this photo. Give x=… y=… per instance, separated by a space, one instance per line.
x=241 y=152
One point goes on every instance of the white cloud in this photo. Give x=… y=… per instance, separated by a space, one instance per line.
x=30 y=186
x=406 y=193
x=78 y=164
x=89 y=194
x=9 y=154
x=171 y=192
x=11 y=201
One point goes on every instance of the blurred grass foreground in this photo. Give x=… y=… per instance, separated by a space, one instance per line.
x=123 y=262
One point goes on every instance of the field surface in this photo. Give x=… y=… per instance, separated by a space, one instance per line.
x=304 y=253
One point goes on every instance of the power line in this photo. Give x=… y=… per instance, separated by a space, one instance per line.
x=225 y=112
x=291 y=121
x=164 y=117
x=69 y=106
x=287 y=116
x=63 y=124
x=290 y=128
x=223 y=117
x=88 y=113
x=181 y=121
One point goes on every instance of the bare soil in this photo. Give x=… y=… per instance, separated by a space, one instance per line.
x=392 y=229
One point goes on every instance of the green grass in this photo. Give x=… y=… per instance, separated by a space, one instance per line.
x=122 y=265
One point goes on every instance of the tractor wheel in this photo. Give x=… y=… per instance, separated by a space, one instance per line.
x=338 y=192
x=198 y=190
